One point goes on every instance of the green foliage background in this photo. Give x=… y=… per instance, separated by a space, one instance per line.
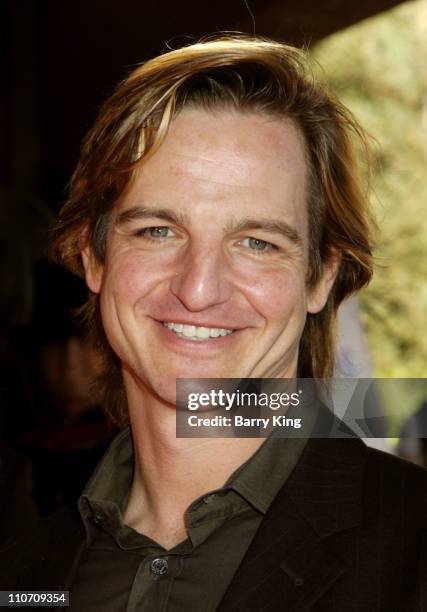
x=379 y=69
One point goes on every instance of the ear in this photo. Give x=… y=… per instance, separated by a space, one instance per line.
x=93 y=269
x=319 y=294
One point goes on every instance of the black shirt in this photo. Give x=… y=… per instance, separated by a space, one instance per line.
x=122 y=569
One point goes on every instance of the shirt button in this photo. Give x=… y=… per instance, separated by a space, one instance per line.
x=159 y=566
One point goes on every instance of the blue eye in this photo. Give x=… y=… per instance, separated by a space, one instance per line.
x=258 y=245
x=157 y=232
x=255 y=244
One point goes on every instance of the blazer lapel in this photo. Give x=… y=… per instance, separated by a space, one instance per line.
x=290 y=564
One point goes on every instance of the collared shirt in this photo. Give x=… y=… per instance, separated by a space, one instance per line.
x=122 y=569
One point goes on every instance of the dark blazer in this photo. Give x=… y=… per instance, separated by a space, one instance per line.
x=346 y=533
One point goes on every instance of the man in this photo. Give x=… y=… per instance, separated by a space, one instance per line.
x=219 y=220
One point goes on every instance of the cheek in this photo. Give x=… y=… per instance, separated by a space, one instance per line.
x=131 y=276
x=278 y=294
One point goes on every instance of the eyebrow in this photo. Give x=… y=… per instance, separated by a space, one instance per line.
x=272 y=226
x=142 y=212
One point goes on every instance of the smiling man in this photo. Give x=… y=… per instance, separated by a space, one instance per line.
x=219 y=220
x=207 y=255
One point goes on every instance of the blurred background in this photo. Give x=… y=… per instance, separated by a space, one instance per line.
x=60 y=60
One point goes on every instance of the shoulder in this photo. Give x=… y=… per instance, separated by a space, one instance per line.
x=373 y=505
x=383 y=468
x=347 y=469
x=398 y=484
x=53 y=543
x=393 y=473
x=390 y=462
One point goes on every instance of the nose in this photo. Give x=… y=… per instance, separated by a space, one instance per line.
x=203 y=279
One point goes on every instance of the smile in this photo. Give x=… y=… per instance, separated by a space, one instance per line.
x=192 y=332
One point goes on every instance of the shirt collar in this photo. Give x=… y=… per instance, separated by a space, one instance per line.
x=258 y=480
x=110 y=483
x=261 y=477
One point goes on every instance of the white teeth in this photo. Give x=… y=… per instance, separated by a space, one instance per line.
x=188 y=331
x=202 y=332
x=197 y=333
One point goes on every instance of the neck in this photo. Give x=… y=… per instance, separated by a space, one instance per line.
x=170 y=472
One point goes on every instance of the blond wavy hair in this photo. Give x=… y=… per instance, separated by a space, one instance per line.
x=246 y=74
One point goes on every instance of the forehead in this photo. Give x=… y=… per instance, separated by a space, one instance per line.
x=238 y=162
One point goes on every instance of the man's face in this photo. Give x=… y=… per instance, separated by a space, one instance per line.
x=207 y=254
